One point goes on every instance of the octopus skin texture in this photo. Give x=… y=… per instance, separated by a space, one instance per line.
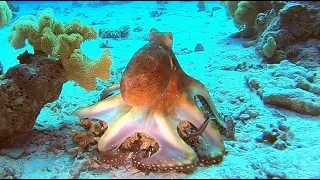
x=154 y=96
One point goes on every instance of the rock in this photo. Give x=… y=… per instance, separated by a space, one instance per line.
x=283 y=126
x=283 y=136
x=287 y=86
x=15 y=153
x=183 y=51
x=280 y=144
x=244 y=117
x=293 y=99
x=199 y=47
x=137 y=29
x=31 y=149
x=305 y=53
x=24 y=91
x=273 y=173
x=105 y=44
x=156 y=13
x=271 y=138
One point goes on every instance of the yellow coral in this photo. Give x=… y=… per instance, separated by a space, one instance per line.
x=67 y=44
x=20 y=30
x=246 y=13
x=46 y=19
x=5 y=14
x=85 y=71
x=73 y=27
x=87 y=32
x=270 y=47
x=48 y=41
x=231 y=7
x=58 y=28
x=50 y=36
x=62 y=41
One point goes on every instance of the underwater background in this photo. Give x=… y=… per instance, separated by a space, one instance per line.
x=259 y=61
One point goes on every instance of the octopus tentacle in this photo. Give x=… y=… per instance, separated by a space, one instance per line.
x=222 y=127
x=107 y=109
x=214 y=148
x=199 y=130
x=197 y=88
x=227 y=129
x=116 y=133
x=173 y=154
x=109 y=91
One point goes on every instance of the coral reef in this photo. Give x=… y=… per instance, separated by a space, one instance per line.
x=121 y=32
x=287 y=23
x=62 y=41
x=155 y=97
x=199 y=47
x=296 y=22
x=5 y=13
x=245 y=14
x=288 y=86
x=25 y=89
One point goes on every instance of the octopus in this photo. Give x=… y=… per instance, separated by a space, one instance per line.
x=154 y=97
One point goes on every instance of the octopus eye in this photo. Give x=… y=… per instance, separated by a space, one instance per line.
x=170 y=36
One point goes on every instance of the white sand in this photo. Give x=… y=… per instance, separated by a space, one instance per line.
x=189 y=27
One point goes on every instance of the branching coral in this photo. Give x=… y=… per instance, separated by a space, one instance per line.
x=5 y=14
x=62 y=41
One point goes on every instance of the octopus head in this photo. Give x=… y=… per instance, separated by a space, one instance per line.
x=147 y=75
x=164 y=37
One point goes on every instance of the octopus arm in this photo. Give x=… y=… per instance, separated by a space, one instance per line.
x=173 y=154
x=117 y=132
x=107 y=109
x=195 y=88
x=109 y=91
x=214 y=146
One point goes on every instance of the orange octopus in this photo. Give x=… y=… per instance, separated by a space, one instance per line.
x=155 y=96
